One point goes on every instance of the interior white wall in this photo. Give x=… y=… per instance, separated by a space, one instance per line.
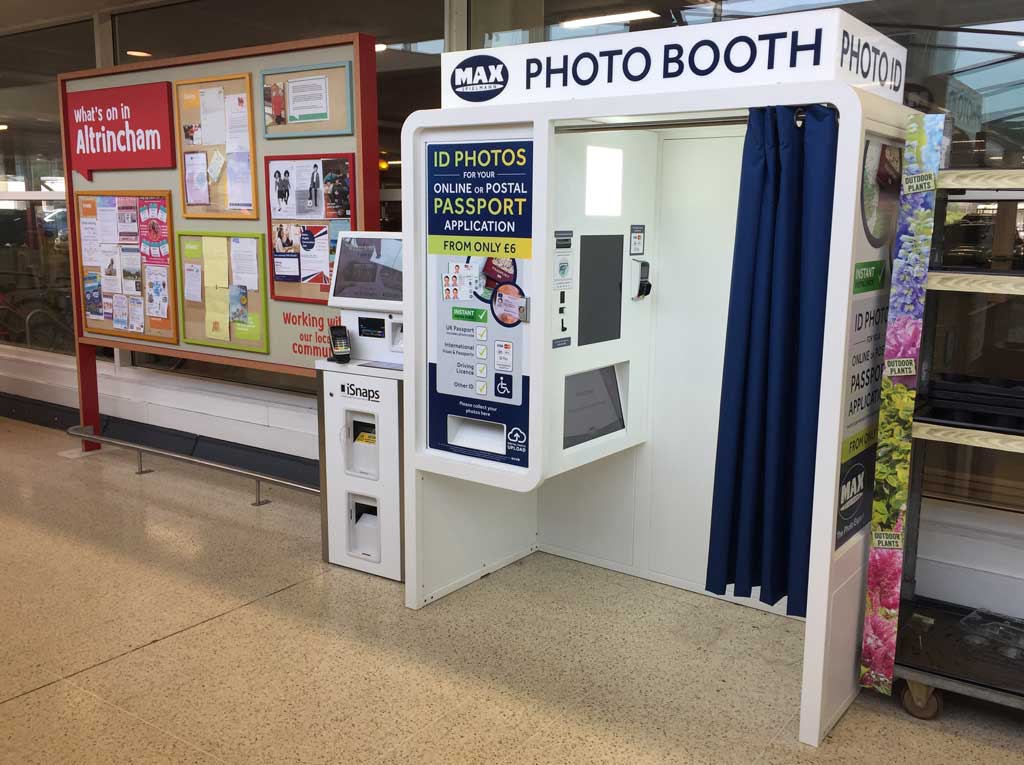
x=567 y=201
x=589 y=512
x=244 y=414
x=698 y=225
x=647 y=511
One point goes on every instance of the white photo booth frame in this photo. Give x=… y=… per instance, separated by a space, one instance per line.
x=487 y=516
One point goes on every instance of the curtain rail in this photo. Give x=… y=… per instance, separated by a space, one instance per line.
x=650 y=125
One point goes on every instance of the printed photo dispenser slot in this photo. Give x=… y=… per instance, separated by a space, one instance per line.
x=591 y=431
x=362 y=455
x=363 y=528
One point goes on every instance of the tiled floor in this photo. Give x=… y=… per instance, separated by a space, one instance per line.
x=161 y=618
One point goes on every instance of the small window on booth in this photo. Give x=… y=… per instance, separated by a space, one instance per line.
x=604 y=181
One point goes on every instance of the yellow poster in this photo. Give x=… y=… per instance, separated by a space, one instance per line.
x=215 y=262
x=217 y=323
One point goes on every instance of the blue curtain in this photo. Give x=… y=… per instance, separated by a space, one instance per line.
x=767 y=431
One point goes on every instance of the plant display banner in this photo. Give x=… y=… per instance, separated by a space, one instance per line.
x=922 y=159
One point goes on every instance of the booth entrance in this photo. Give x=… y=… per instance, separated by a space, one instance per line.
x=568 y=397
x=688 y=232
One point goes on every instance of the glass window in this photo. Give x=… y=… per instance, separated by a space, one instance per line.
x=973 y=375
x=35 y=283
x=974 y=475
x=410 y=39
x=980 y=236
x=35 y=280
x=962 y=57
x=29 y=104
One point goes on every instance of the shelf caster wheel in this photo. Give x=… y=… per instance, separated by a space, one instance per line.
x=921 y=701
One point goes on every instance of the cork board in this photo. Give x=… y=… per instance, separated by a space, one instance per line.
x=126 y=262
x=306 y=101
x=223 y=292
x=310 y=201
x=216 y=162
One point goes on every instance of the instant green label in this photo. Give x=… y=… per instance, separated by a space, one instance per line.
x=868 y=276
x=460 y=313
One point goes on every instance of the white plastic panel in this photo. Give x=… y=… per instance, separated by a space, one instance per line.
x=464 y=530
x=362 y=447
x=691 y=302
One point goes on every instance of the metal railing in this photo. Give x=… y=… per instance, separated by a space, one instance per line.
x=85 y=433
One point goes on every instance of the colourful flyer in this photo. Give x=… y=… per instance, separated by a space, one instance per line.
x=153 y=239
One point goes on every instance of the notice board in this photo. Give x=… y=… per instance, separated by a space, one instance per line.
x=127 y=264
x=215 y=139
x=311 y=201
x=223 y=290
x=307 y=101
x=294 y=332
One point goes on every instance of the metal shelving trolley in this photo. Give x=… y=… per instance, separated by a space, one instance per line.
x=966 y=634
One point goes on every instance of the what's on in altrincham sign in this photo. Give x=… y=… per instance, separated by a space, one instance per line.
x=800 y=47
x=124 y=128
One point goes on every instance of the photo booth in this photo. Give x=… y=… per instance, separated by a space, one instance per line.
x=672 y=254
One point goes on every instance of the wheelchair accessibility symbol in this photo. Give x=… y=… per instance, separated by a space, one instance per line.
x=503 y=386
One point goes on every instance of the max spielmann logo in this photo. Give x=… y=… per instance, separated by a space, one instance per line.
x=851 y=490
x=479 y=78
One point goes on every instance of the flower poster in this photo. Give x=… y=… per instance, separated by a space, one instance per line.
x=921 y=163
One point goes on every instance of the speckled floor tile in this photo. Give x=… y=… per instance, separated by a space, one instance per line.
x=62 y=724
x=193 y=627
x=123 y=560
x=876 y=729
x=21 y=673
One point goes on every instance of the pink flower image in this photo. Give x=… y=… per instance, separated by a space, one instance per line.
x=903 y=341
x=885 y=572
x=879 y=652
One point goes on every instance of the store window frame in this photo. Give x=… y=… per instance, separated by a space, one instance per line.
x=53 y=198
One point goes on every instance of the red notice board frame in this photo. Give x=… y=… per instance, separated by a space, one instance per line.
x=354 y=203
x=366 y=189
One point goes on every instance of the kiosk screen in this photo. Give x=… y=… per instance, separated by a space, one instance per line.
x=592 y=406
x=369 y=268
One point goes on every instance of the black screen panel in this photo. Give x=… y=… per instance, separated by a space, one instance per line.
x=600 y=317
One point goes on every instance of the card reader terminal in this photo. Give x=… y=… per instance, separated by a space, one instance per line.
x=341 y=352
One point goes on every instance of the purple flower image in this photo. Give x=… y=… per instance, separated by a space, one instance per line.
x=903 y=338
x=903 y=341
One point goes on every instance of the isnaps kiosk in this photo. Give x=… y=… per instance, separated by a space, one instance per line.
x=359 y=407
x=570 y=222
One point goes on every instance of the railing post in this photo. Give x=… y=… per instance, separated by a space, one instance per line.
x=141 y=470
x=259 y=495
